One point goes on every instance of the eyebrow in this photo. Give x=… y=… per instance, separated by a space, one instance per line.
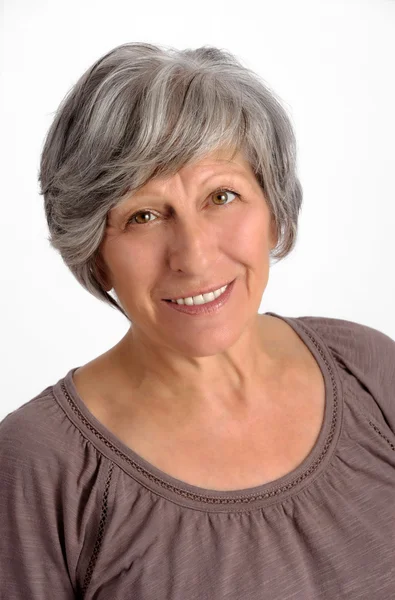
x=153 y=197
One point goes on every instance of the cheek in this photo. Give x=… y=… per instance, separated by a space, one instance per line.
x=133 y=264
x=249 y=235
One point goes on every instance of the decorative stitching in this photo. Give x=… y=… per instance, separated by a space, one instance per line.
x=100 y=533
x=371 y=420
x=382 y=434
x=218 y=500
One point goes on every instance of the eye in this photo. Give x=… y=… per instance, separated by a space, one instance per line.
x=219 y=193
x=222 y=192
x=137 y=214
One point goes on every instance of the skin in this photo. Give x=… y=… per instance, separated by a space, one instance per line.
x=203 y=368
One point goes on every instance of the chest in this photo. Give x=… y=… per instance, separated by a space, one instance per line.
x=233 y=455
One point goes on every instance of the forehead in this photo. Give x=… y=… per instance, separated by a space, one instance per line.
x=219 y=160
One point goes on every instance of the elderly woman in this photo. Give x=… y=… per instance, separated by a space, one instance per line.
x=214 y=452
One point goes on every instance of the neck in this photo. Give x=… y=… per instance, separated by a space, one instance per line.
x=183 y=389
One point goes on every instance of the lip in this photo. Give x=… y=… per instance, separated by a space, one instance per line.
x=200 y=292
x=204 y=310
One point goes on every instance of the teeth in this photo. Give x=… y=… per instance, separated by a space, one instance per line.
x=202 y=298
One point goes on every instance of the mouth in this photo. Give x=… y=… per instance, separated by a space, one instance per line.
x=201 y=293
x=204 y=306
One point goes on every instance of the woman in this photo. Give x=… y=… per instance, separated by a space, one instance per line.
x=213 y=452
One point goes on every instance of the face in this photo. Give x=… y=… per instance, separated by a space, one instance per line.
x=189 y=236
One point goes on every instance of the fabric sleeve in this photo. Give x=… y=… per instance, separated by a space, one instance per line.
x=33 y=555
x=367 y=353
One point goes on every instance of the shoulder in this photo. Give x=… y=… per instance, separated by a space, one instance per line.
x=33 y=454
x=361 y=345
x=365 y=352
x=42 y=448
x=26 y=429
x=52 y=483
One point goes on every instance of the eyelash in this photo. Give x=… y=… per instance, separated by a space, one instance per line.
x=217 y=191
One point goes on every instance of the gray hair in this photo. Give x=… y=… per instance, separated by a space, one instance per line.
x=144 y=111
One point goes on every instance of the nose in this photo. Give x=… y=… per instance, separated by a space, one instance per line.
x=193 y=246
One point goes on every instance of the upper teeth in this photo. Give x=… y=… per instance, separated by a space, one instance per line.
x=202 y=298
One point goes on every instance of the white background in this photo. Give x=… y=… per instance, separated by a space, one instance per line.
x=332 y=63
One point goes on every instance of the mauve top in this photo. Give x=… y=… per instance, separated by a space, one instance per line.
x=84 y=516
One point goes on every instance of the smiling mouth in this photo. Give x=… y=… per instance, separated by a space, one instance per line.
x=202 y=299
x=197 y=295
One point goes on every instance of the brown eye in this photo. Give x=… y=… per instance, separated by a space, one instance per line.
x=222 y=195
x=218 y=195
x=137 y=215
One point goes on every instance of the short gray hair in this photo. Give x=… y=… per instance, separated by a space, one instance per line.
x=144 y=111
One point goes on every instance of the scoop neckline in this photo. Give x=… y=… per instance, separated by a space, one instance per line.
x=198 y=498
